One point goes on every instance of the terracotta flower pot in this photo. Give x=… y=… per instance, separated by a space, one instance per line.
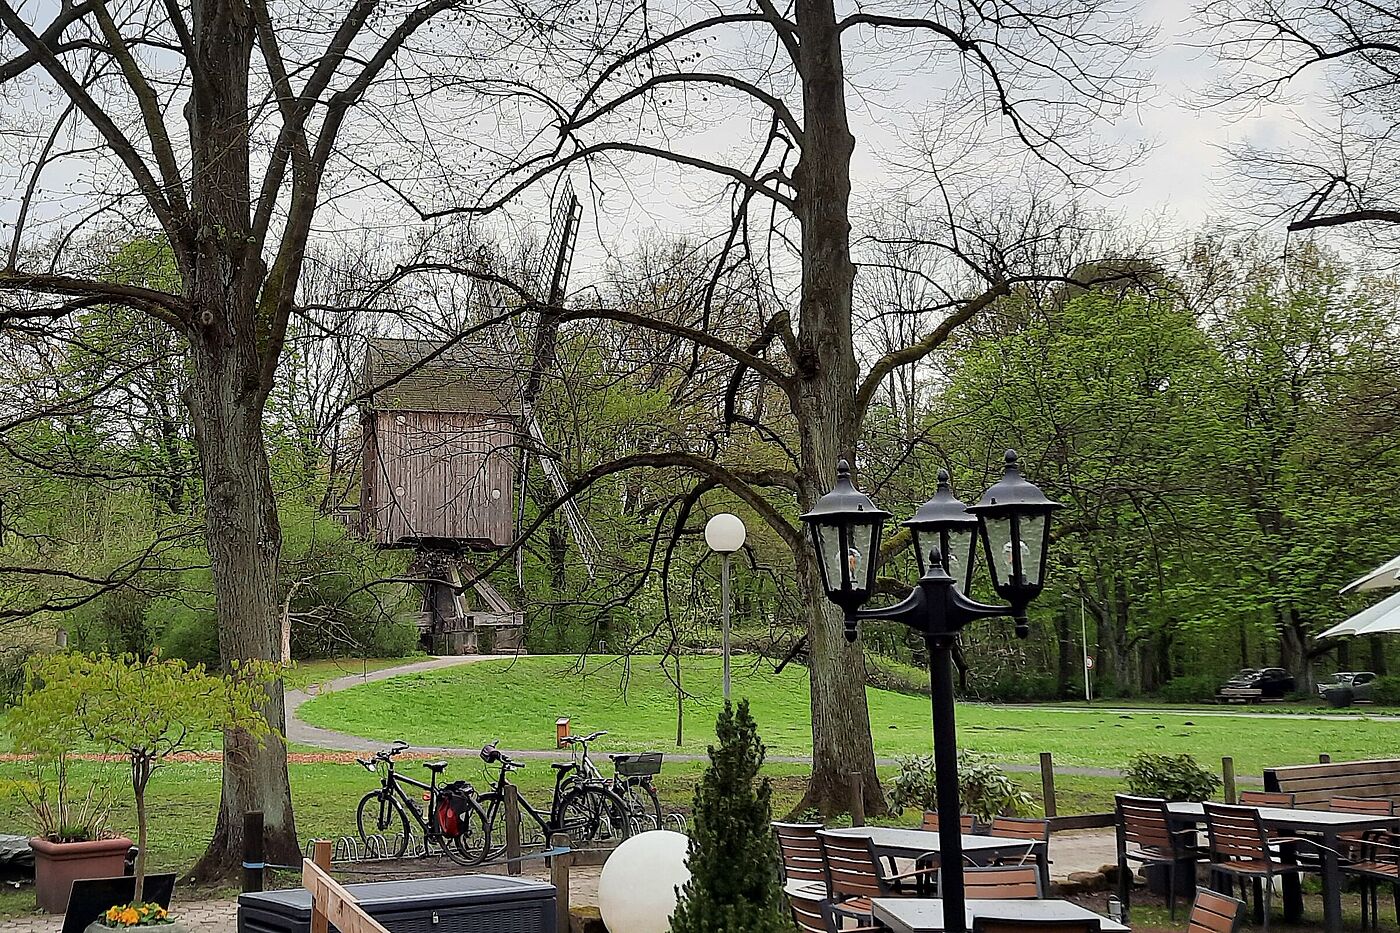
x=58 y=864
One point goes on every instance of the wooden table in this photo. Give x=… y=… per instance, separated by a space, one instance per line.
x=925 y=915
x=913 y=843
x=1324 y=826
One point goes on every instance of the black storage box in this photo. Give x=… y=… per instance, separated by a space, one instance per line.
x=459 y=904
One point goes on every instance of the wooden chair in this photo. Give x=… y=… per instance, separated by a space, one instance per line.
x=1012 y=882
x=1031 y=830
x=1267 y=798
x=804 y=872
x=854 y=876
x=1349 y=843
x=1215 y=913
x=1145 y=835
x=1376 y=862
x=1239 y=848
x=1000 y=925
x=816 y=916
x=967 y=822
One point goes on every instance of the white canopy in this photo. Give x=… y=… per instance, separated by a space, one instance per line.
x=1384 y=616
x=1386 y=575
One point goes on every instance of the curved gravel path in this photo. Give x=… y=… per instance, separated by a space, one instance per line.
x=303 y=733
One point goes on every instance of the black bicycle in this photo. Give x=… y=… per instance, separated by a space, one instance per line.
x=384 y=816
x=632 y=782
x=588 y=811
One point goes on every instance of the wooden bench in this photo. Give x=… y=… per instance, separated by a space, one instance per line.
x=1314 y=785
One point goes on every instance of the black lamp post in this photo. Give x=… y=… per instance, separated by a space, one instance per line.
x=1013 y=519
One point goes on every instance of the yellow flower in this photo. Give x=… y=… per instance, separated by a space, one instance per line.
x=129 y=917
x=112 y=913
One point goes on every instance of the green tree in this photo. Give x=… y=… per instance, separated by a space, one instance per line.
x=733 y=859
x=145 y=708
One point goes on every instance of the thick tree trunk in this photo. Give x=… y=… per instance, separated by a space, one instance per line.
x=826 y=408
x=233 y=343
x=1377 y=655
x=245 y=541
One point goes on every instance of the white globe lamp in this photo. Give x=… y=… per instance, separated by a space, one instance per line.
x=637 y=889
x=725 y=534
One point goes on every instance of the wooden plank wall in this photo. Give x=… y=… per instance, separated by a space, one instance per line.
x=440 y=475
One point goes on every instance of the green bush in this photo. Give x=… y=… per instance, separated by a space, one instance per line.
x=1011 y=686
x=984 y=788
x=733 y=887
x=1195 y=688
x=1386 y=691
x=1171 y=777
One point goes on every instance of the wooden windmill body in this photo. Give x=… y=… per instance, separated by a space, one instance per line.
x=440 y=456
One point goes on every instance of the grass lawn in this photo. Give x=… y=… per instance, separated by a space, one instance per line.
x=518 y=700
x=303 y=674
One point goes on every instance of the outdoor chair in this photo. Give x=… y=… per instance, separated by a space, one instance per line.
x=1239 y=847
x=1215 y=913
x=1001 y=925
x=1349 y=843
x=1032 y=830
x=967 y=822
x=1011 y=882
x=854 y=875
x=814 y=915
x=1376 y=861
x=1267 y=798
x=804 y=873
x=1145 y=835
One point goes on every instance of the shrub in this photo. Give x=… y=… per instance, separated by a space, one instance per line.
x=733 y=886
x=1172 y=777
x=1195 y=688
x=983 y=788
x=1013 y=686
x=1386 y=691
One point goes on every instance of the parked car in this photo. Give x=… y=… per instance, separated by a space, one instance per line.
x=1254 y=686
x=1347 y=687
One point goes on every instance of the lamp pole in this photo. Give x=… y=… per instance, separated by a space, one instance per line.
x=725 y=534
x=1012 y=521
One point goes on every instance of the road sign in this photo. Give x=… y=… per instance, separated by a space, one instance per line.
x=1088 y=663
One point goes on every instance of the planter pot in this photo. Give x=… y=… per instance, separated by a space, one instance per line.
x=58 y=864
x=176 y=926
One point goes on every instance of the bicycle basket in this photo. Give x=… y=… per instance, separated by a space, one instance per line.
x=644 y=764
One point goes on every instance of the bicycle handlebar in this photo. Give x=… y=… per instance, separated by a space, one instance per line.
x=571 y=739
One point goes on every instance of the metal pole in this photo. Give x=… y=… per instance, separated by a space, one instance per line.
x=724 y=618
x=1084 y=640
x=945 y=764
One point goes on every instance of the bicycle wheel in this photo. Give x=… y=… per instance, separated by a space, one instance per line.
x=643 y=805
x=379 y=817
x=594 y=814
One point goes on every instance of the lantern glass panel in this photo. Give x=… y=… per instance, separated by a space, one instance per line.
x=1033 y=548
x=959 y=556
x=829 y=554
x=861 y=554
x=998 y=531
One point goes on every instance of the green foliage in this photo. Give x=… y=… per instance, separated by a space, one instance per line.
x=1012 y=686
x=148 y=709
x=1385 y=691
x=983 y=788
x=1193 y=688
x=1171 y=777
x=732 y=857
x=57 y=811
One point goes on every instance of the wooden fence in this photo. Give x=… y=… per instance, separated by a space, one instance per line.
x=330 y=902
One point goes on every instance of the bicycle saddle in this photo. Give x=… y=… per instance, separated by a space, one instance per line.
x=561 y=765
x=437 y=767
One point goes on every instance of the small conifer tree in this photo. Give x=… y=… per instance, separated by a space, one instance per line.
x=733 y=859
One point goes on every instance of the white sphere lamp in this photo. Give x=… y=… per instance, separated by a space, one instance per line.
x=637 y=889
x=725 y=533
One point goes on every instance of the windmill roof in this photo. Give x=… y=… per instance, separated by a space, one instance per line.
x=431 y=375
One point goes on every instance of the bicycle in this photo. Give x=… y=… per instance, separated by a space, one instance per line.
x=585 y=809
x=631 y=783
x=382 y=816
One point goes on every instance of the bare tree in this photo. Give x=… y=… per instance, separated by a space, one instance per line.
x=1344 y=172
x=223 y=129
x=783 y=79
